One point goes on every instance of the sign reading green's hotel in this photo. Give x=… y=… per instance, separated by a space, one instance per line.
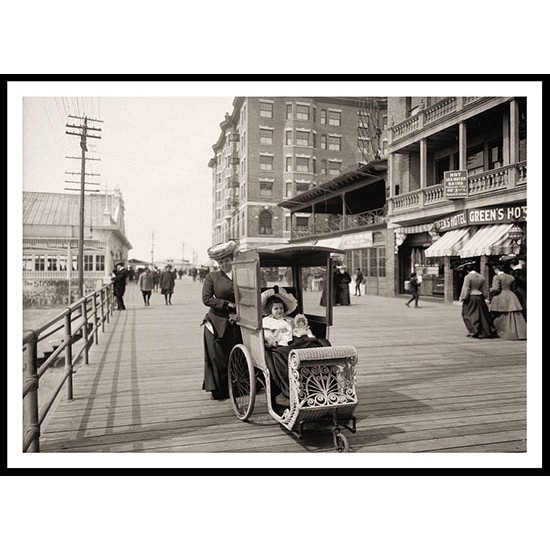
x=455 y=183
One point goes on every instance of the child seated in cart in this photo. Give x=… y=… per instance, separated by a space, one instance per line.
x=282 y=334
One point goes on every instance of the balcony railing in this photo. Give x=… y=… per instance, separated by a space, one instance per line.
x=431 y=114
x=507 y=177
x=338 y=222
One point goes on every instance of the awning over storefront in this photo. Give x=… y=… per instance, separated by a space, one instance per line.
x=335 y=242
x=449 y=244
x=490 y=240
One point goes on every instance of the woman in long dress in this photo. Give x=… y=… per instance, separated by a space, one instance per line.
x=221 y=332
x=475 y=313
x=506 y=307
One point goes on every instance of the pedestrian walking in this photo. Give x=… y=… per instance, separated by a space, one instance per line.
x=221 y=332
x=145 y=282
x=414 y=285
x=156 y=279
x=167 y=283
x=343 y=279
x=505 y=306
x=475 y=313
x=358 y=281
x=119 y=284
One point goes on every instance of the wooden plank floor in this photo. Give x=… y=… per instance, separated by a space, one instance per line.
x=422 y=386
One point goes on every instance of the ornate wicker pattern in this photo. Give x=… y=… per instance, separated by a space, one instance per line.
x=321 y=380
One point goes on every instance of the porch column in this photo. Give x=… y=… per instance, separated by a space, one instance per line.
x=462 y=146
x=423 y=163
x=514 y=132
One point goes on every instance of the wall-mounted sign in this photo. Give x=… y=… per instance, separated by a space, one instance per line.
x=357 y=240
x=510 y=213
x=455 y=183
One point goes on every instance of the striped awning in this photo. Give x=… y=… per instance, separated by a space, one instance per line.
x=449 y=244
x=490 y=240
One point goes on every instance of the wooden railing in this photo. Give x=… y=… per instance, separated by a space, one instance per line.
x=507 y=177
x=76 y=329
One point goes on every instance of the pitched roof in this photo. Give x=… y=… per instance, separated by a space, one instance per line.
x=64 y=209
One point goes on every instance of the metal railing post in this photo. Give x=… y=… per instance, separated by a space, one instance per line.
x=69 y=354
x=84 y=313
x=31 y=424
x=102 y=303
x=94 y=306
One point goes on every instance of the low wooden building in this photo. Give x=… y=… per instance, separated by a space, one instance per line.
x=51 y=229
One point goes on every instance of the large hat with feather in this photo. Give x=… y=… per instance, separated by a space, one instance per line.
x=276 y=293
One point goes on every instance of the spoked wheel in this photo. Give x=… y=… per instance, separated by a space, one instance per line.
x=242 y=382
x=342 y=444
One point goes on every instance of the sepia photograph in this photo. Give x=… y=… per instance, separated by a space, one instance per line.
x=285 y=271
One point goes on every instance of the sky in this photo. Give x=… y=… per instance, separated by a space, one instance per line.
x=154 y=149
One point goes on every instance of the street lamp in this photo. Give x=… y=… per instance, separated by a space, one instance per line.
x=516 y=236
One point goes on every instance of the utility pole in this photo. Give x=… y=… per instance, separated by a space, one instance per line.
x=84 y=133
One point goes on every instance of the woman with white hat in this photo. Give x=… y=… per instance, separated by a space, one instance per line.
x=221 y=332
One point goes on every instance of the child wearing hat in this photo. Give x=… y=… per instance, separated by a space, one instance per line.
x=277 y=304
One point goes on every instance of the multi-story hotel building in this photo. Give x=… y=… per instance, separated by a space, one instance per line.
x=271 y=149
x=457 y=186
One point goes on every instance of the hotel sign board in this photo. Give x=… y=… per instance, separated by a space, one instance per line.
x=455 y=183
x=510 y=213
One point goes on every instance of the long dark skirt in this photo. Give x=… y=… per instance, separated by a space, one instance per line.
x=477 y=317
x=342 y=295
x=216 y=359
x=277 y=361
x=510 y=325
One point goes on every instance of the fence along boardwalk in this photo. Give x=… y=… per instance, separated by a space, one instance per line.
x=422 y=386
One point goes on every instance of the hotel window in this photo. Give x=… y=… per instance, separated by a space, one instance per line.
x=384 y=146
x=266 y=188
x=52 y=263
x=289 y=111
x=266 y=163
x=302 y=138
x=323 y=142
x=334 y=143
x=495 y=154
x=243 y=141
x=288 y=164
x=266 y=109
x=27 y=262
x=334 y=168
x=334 y=118
x=474 y=163
x=313 y=114
x=289 y=189
x=266 y=136
x=243 y=114
x=227 y=161
x=100 y=262
x=288 y=138
x=63 y=263
x=302 y=112
x=323 y=167
x=266 y=219
x=384 y=122
x=314 y=139
x=219 y=177
x=314 y=166
x=287 y=223
x=441 y=165
x=363 y=144
x=413 y=104
x=88 y=262
x=75 y=263
x=323 y=116
x=302 y=164
x=40 y=263
x=302 y=187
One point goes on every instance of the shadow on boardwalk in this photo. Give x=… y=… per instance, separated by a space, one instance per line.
x=422 y=386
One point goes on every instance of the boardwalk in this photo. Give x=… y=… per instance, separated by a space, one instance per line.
x=422 y=386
